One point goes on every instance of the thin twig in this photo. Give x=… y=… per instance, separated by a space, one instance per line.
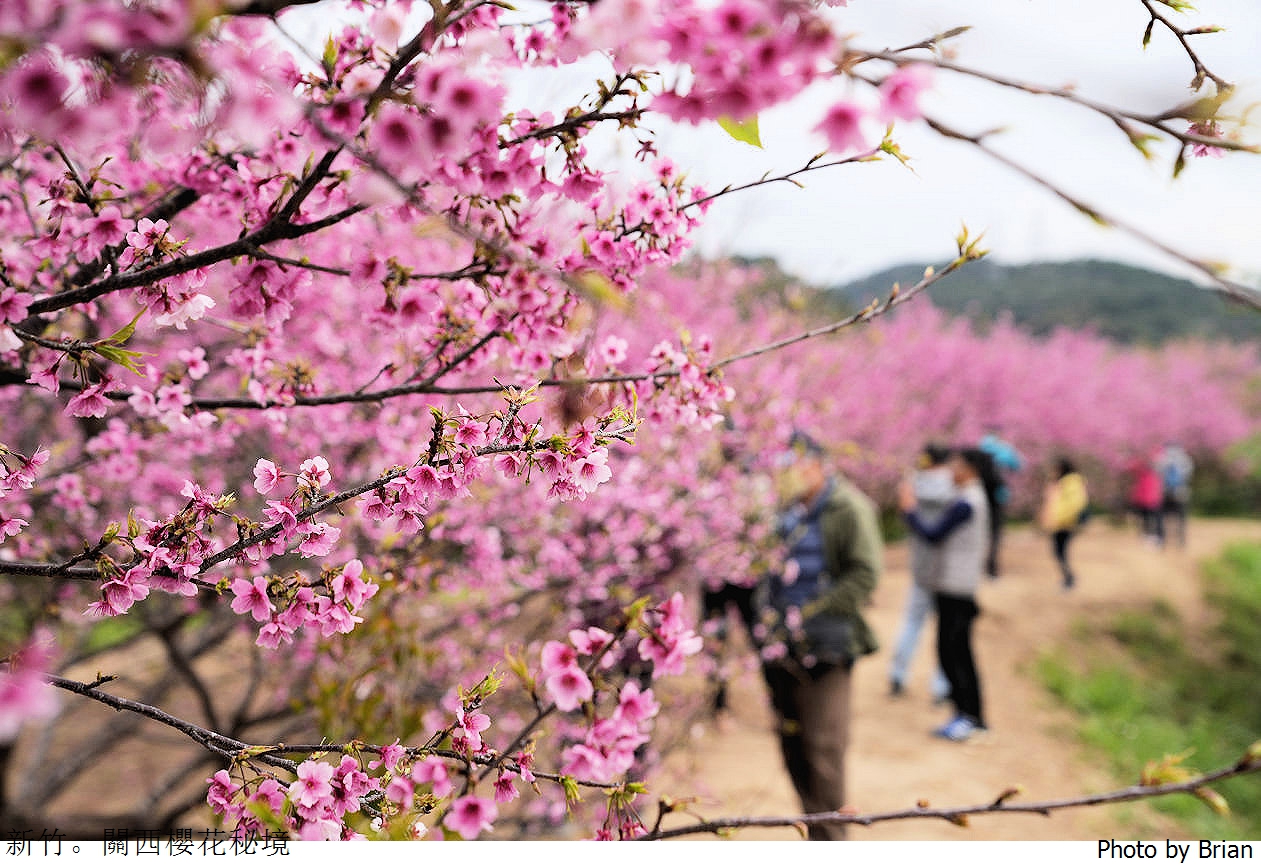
x=958 y=814
x=1229 y=288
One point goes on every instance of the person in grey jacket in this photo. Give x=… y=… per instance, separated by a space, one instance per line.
x=961 y=535
x=934 y=487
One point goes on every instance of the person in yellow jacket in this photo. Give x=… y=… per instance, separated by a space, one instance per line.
x=1063 y=506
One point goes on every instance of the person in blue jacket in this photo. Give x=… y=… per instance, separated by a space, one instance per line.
x=1005 y=458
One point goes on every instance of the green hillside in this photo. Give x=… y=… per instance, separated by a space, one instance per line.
x=1119 y=301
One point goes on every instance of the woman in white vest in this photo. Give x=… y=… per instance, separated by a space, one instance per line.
x=962 y=535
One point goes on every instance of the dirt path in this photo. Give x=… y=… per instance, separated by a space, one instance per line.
x=893 y=761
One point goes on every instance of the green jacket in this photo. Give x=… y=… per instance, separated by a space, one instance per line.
x=855 y=558
x=853 y=554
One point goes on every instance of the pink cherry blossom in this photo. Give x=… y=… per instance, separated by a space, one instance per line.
x=12 y=305
x=251 y=597
x=91 y=402
x=900 y=92
x=1206 y=129
x=569 y=688
x=470 y=816
x=842 y=127
x=266 y=476
x=24 y=696
x=314 y=473
x=557 y=656
x=11 y=526
x=313 y=784
x=433 y=771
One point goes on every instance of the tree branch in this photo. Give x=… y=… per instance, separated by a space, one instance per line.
x=1229 y=288
x=223 y=746
x=959 y=814
x=1201 y=71
x=266 y=234
x=789 y=177
x=1157 y=122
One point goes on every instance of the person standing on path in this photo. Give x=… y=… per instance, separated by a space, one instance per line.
x=812 y=610
x=934 y=487
x=1063 y=505
x=962 y=533
x=1005 y=458
x=1175 y=467
x=1146 y=495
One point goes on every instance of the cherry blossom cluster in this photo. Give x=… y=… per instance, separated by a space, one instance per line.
x=17 y=472
x=355 y=799
x=743 y=56
x=24 y=696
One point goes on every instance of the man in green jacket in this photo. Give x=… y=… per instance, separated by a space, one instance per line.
x=817 y=631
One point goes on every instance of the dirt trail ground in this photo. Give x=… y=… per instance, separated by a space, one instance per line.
x=893 y=761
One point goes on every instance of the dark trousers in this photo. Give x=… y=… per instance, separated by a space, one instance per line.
x=715 y=604
x=1059 y=542
x=812 y=707
x=996 y=536
x=1177 y=509
x=955 y=615
x=1152 y=524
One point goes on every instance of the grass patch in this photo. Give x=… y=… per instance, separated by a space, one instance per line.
x=105 y=634
x=1145 y=688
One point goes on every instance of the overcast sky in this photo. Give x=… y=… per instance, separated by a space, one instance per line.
x=857 y=219
x=854 y=220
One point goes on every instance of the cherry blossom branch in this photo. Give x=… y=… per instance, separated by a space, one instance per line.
x=573 y=124
x=266 y=8
x=52 y=777
x=545 y=710
x=232 y=749
x=472 y=269
x=71 y=572
x=1201 y=71
x=1121 y=118
x=268 y=233
x=958 y=815
x=789 y=177
x=896 y=298
x=873 y=310
x=223 y=746
x=1229 y=288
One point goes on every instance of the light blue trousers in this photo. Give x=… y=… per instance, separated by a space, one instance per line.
x=919 y=604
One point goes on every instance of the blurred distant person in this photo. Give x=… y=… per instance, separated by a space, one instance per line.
x=934 y=487
x=962 y=535
x=721 y=597
x=813 y=607
x=1175 y=467
x=1005 y=459
x=1146 y=497
x=1064 y=503
x=717 y=602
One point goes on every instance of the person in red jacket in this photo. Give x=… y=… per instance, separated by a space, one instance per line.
x=1146 y=496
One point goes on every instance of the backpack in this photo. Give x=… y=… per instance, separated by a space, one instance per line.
x=1083 y=516
x=1174 y=476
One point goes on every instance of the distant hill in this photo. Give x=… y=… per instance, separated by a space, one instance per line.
x=1125 y=303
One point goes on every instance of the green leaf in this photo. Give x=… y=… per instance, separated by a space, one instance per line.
x=742 y=130
x=1214 y=800
x=600 y=289
x=330 y=56
x=123 y=334
x=122 y=357
x=1180 y=163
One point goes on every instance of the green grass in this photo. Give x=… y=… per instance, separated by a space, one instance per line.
x=1145 y=688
